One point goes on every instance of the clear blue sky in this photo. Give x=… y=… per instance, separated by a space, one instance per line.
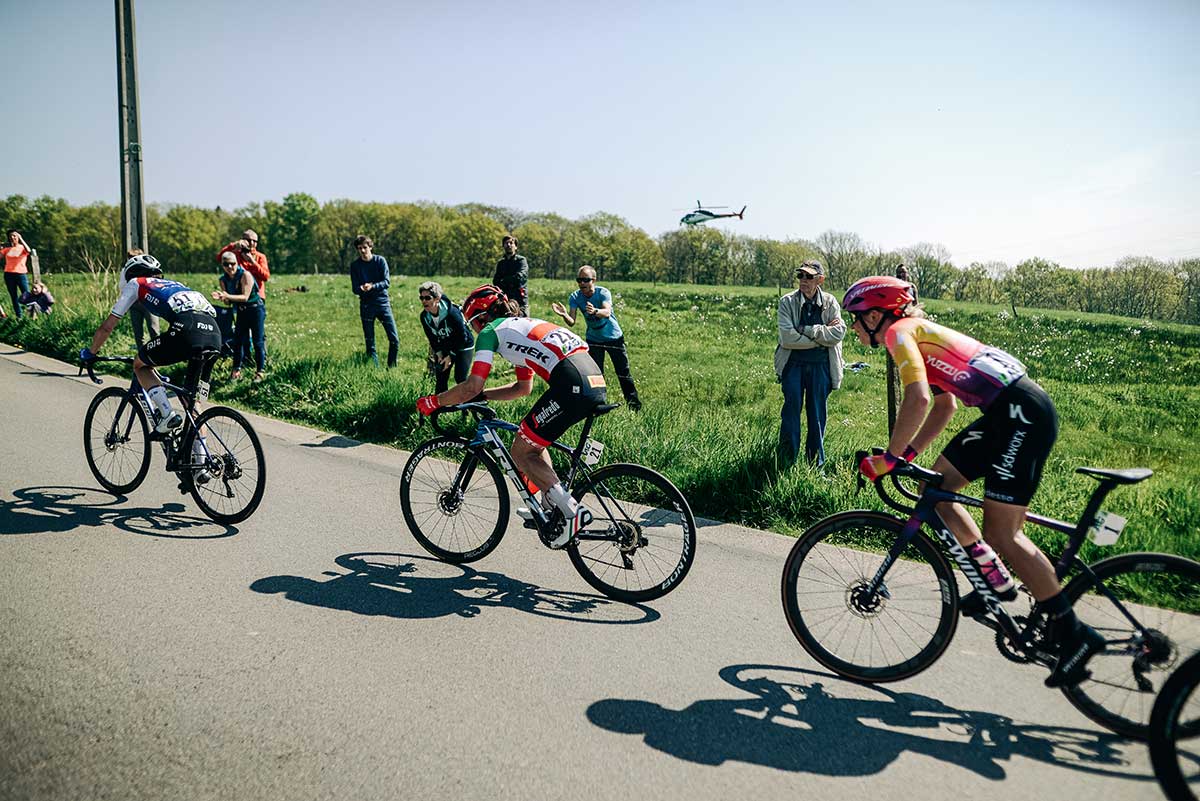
x=1068 y=130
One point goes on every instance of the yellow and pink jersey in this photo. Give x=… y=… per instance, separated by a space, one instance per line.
x=947 y=360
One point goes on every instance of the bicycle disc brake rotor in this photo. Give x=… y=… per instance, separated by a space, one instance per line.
x=862 y=602
x=450 y=502
x=629 y=536
x=1154 y=651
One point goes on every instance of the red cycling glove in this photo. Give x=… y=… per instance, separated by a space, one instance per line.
x=875 y=466
x=427 y=404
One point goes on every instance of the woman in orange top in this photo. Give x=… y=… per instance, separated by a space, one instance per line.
x=16 y=274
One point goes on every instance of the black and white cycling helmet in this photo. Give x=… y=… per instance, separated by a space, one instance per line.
x=141 y=266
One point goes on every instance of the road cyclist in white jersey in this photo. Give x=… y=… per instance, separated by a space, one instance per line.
x=193 y=329
x=560 y=358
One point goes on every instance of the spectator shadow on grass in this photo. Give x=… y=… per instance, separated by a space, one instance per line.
x=40 y=510
x=809 y=722
x=417 y=587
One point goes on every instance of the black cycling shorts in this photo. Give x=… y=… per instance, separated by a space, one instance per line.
x=1009 y=444
x=576 y=388
x=190 y=334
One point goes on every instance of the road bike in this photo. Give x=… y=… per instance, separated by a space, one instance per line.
x=1174 y=743
x=638 y=547
x=225 y=472
x=884 y=604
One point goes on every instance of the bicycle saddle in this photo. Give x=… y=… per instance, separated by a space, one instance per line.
x=1130 y=475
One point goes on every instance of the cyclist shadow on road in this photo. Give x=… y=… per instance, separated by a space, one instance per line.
x=41 y=510
x=406 y=586
x=810 y=722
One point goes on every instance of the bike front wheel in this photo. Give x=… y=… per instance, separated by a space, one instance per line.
x=642 y=538
x=891 y=634
x=228 y=472
x=1162 y=593
x=1171 y=744
x=454 y=500
x=116 y=440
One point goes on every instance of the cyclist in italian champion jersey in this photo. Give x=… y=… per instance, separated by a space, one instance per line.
x=553 y=353
x=1007 y=447
x=193 y=328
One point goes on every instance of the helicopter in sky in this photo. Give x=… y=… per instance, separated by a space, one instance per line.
x=702 y=215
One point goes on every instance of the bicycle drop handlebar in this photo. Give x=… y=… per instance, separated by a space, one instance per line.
x=90 y=366
x=479 y=409
x=902 y=470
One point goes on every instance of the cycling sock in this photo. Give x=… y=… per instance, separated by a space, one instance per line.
x=562 y=499
x=994 y=571
x=158 y=395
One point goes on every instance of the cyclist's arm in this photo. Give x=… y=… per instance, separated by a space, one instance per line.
x=944 y=405
x=913 y=410
x=104 y=332
x=461 y=393
x=517 y=389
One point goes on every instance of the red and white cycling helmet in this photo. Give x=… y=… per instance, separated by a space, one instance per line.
x=883 y=292
x=482 y=301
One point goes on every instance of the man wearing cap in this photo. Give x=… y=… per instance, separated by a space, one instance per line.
x=808 y=361
x=512 y=274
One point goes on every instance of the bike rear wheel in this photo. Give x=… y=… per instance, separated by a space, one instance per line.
x=865 y=637
x=229 y=483
x=1120 y=693
x=642 y=538
x=1170 y=745
x=454 y=500
x=116 y=440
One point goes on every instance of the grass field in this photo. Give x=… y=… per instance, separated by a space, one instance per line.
x=1127 y=391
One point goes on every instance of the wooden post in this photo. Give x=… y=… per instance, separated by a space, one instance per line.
x=36 y=265
x=893 y=393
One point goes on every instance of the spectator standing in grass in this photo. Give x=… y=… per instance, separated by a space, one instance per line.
x=16 y=270
x=250 y=259
x=808 y=361
x=604 y=333
x=370 y=279
x=139 y=318
x=239 y=289
x=37 y=300
x=512 y=274
x=902 y=274
x=451 y=344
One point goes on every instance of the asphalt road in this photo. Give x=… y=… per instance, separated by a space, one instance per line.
x=314 y=651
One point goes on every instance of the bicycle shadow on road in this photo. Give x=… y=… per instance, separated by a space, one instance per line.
x=415 y=587
x=810 y=722
x=42 y=510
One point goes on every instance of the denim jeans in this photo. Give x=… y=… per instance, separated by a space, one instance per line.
x=17 y=284
x=250 y=327
x=806 y=385
x=382 y=312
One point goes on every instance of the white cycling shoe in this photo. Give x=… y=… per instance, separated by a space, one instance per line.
x=169 y=423
x=573 y=526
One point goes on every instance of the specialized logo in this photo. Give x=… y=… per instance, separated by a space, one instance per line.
x=1015 y=413
x=971 y=571
x=972 y=436
x=530 y=351
x=552 y=408
x=1009 y=457
x=956 y=375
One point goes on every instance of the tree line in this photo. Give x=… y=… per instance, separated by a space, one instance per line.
x=300 y=235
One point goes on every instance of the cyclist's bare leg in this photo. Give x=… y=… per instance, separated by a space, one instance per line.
x=147 y=376
x=959 y=521
x=534 y=462
x=1002 y=530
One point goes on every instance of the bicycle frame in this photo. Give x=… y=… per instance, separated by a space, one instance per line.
x=925 y=512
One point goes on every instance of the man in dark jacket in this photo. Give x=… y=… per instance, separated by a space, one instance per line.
x=512 y=274
x=369 y=278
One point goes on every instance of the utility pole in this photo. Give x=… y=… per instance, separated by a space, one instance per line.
x=133 y=204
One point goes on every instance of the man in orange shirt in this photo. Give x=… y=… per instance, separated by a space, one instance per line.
x=16 y=274
x=255 y=263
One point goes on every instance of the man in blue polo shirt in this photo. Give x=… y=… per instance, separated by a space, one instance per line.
x=603 y=331
x=369 y=279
